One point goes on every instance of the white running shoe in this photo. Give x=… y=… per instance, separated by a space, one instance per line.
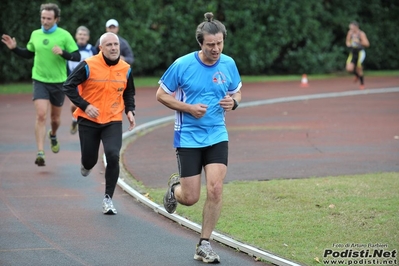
x=205 y=253
x=108 y=206
x=84 y=171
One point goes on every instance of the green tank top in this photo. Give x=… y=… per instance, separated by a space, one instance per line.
x=47 y=66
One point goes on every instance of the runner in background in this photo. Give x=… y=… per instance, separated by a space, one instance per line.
x=106 y=91
x=86 y=50
x=356 y=40
x=50 y=47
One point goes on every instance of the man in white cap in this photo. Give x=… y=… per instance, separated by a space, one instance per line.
x=126 y=52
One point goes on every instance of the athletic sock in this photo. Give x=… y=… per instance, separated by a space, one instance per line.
x=206 y=239
x=361 y=80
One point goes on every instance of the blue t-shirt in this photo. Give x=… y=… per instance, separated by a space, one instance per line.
x=194 y=82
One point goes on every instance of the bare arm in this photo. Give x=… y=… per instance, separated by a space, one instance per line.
x=237 y=96
x=363 y=40
x=348 y=39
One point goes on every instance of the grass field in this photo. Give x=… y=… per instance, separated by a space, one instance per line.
x=299 y=219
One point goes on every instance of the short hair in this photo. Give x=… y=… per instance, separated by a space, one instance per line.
x=53 y=7
x=105 y=35
x=209 y=26
x=83 y=28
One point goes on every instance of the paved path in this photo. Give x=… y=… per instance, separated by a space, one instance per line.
x=52 y=216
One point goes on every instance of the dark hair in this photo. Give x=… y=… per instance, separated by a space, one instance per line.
x=53 y=7
x=355 y=23
x=209 y=26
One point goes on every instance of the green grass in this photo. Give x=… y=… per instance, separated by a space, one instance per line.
x=299 y=218
x=26 y=87
x=140 y=82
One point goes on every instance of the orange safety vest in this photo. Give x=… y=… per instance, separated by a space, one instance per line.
x=104 y=89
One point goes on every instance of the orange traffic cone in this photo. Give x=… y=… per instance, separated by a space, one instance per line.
x=304 y=81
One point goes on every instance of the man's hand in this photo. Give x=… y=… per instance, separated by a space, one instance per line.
x=57 y=50
x=92 y=111
x=132 y=120
x=10 y=42
x=198 y=110
x=227 y=103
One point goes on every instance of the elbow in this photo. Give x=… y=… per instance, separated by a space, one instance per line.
x=158 y=95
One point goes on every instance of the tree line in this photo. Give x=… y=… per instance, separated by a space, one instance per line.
x=264 y=37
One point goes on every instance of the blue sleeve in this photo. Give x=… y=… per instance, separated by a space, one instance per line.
x=170 y=79
x=235 y=78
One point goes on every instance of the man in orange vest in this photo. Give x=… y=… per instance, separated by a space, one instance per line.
x=105 y=89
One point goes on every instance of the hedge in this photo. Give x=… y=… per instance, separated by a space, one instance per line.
x=264 y=37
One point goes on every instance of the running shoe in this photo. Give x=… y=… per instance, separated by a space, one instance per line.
x=361 y=87
x=55 y=146
x=205 y=253
x=74 y=127
x=40 y=159
x=169 y=200
x=84 y=171
x=108 y=206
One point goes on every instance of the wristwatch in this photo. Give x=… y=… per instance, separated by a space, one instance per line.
x=235 y=104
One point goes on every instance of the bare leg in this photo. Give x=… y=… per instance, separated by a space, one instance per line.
x=189 y=190
x=215 y=174
x=55 y=119
x=359 y=71
x=74 y=124
x=41 y=106
x=350 y=67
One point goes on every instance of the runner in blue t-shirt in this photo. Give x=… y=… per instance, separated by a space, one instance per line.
x=201 y=87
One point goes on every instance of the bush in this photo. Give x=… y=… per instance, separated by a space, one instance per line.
x=264 y=37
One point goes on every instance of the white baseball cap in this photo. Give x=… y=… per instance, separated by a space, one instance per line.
x=112 y=22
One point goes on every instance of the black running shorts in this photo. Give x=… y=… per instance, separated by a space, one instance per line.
x=190 y=161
